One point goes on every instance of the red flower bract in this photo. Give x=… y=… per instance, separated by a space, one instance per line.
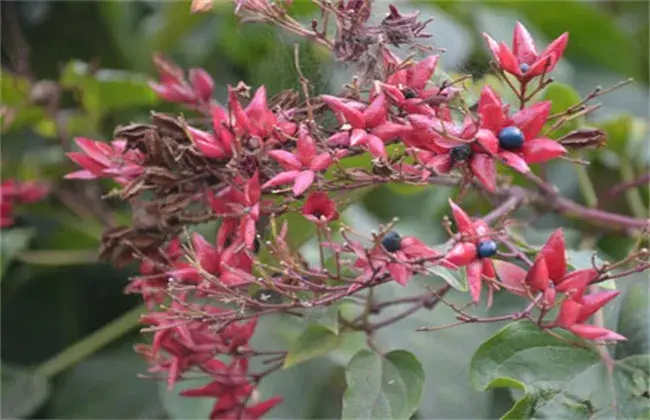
x=523 y=61
x=319 y=208
x=464 y=252
x=528 y=122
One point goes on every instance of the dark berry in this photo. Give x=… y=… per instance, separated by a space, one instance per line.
x=486 y=249
x=391 y=241
x=511 y=138
x=461 y=153
x=409 y=93
x=524 y=67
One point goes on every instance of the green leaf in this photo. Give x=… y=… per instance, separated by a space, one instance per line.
x=406 y=189
x=455 y=278
x=626 y=136
x=59 y=257
x=315 y=341
x=581 y=259
x=119 y=392
x=107 y=90
x=562 y=97
x=13 y=242
x=23 y=392
x=327 y=317
x=561 y=380
x=633 y=321
x=19 y=112
x=384 y=387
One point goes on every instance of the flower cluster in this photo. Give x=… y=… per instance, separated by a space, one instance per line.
x=13 y=192
x=190 y=346
x=259 y=161
x=548 y=278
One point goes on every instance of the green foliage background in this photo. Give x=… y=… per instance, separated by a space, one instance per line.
x=67 y=329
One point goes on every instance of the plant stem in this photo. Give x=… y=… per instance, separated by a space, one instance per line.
x=586 y=187
x=92 y=343
x=632 y=195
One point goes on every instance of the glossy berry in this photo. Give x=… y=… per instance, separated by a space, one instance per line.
x=511 y=138
x=524 y=67
x=461 y=153
x=409 y=93
x=486 y=249
x=391 y=241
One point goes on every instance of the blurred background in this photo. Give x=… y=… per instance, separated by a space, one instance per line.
x=79 y=68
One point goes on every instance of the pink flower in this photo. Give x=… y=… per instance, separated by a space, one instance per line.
x=101 y=160
x=319 y=209
x=409 y=89
x=219 y=143
x=174 y=88
x=300 y=168
x=514 y=139
x=523 y=61
x=448 y=145
x=474 y=250
x=240 y=209
x=257 y=120
x=364 y=126
x=394 y=255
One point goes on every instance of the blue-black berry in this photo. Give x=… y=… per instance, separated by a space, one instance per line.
x=461 y=153
x=409 y=93
x=486 y=249
x=511 y=138
x=392 y=241
x=524 y=67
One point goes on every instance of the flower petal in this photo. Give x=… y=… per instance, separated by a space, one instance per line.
x=286 y=159
x=541 y=150
x=303 y=182
x=556 y=49
x=441 y=164
x=554 y=253
x=420 y=73
x=592 y=332
x=281 y=178
x=575 y=283
x=461 y=254
x=531 y=120
x=375 y=113
x=514 y=161
x=484 y=170
x=490 y=109
x=568 y=314
x=508 y=61
x=512 y=276
x=464 y=223
x=399 y=273
x=306 y=146
x=523 y=45
x=592 y=303
x=537 y=277
x=493 y=46
x=352 y=116
x=358 y=137
x=376 y=146
x=389 y=131
x=474 y=271
x=321 y=162
x=488 y=140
